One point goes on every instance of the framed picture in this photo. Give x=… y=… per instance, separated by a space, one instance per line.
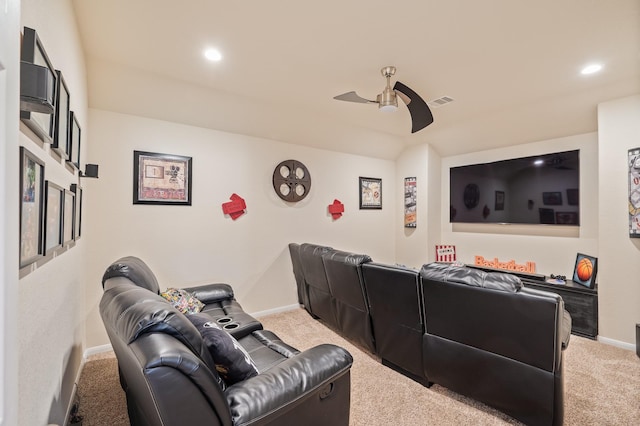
x=370 y=193
x=547 y=216
x=33 y=51
x=161 y=179
x=499 y=200
x=634 y=192
x=552 y=198
x=61 y=135
x=573 y=197
x=31 y=202
x=567 y=218
x=74 y=141
x=77 y=228
x=68 y=217
x=54 y=196
x=585 y=270
x=410 y=202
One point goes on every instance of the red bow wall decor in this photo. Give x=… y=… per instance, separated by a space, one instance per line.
x=234 y=208
x=336 y=209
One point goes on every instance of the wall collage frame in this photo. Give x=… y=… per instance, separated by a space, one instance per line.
x=50 y=214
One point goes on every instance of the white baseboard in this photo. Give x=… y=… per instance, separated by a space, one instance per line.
x=617 y=343
x=275 y=311
x=97 y=350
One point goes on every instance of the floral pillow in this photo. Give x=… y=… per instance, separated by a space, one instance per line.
x=182 y=300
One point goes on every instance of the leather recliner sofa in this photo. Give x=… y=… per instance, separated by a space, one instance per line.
x=333 y=289
x=170 y=378
x=492 y=339
x=395 y=301
x=480 y=334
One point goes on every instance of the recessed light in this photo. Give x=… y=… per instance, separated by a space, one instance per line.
x=591 y=69
x=213 y=55
x=538 y=162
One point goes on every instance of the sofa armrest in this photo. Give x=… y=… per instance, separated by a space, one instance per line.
x=565 y=329
x=287 y=382
x=210 y=293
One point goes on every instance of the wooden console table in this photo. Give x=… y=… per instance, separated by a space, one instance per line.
x=581 y=302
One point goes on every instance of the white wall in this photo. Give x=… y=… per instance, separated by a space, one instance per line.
x=51 y=297
x=553 y=249
x=619 y=260
x=191 y=245
x=9 y=98
x=415 y=246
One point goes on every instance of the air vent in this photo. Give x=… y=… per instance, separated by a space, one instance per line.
x=437 y=103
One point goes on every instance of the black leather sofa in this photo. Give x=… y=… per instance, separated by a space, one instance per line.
x=330 y=287
x=492 y=339
x=170 y=378
x=479 y=334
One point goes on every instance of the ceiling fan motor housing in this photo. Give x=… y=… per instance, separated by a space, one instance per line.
x=387 y=100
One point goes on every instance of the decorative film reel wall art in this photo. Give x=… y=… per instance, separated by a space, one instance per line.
x=291 y=180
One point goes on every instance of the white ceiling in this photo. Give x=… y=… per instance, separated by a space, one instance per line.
x=512 y=66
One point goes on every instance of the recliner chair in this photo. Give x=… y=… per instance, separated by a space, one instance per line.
x=490 y=338
x=170 y=378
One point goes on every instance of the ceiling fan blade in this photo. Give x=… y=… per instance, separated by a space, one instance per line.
x=353 y=97
x=421 y=115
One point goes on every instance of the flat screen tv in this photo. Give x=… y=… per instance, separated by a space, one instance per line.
x=541 y=189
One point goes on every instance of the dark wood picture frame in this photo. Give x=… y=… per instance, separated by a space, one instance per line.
x=31 y=207
x=77 y=229
x=633 y=161
x=573 y=196
x=370 y=193
x=62 y=118
x=68 y=218
x=552 y=198
x=43 y=125
x=499 y=200
x=579 y=277
x=161 y=178
x=567 y=218
x=54 y=207
x=547 y=216
x=74 y=141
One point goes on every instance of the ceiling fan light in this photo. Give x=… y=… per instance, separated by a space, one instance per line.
x=387 y=100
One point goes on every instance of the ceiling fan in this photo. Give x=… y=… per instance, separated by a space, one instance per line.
x=421 y=115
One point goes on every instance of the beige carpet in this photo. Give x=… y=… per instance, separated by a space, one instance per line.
x=602 y=385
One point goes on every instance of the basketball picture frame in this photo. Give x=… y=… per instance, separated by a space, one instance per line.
x=585 y=270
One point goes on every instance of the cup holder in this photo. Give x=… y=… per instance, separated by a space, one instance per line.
x=224 y=320
x=231 y=326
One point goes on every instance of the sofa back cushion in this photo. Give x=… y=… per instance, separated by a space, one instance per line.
x=135 y=270
x=344 y=277
x=470 y=276
x=132 y=312
x=294 y=252
x=467 y=306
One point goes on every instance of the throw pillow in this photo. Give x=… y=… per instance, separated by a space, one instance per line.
x=232 y=362
x=182 y=300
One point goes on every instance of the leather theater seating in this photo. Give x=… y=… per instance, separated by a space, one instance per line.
x=170 y=377
x=480 y=334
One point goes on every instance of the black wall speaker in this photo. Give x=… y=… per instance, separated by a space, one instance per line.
x=90 y=170
x=36 y=88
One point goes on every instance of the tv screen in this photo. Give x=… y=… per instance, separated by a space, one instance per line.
x=541 y=189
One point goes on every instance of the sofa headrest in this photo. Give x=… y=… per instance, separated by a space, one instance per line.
x=132 y=311
x=470 y=276
x=135 y=270
x=346 y=258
